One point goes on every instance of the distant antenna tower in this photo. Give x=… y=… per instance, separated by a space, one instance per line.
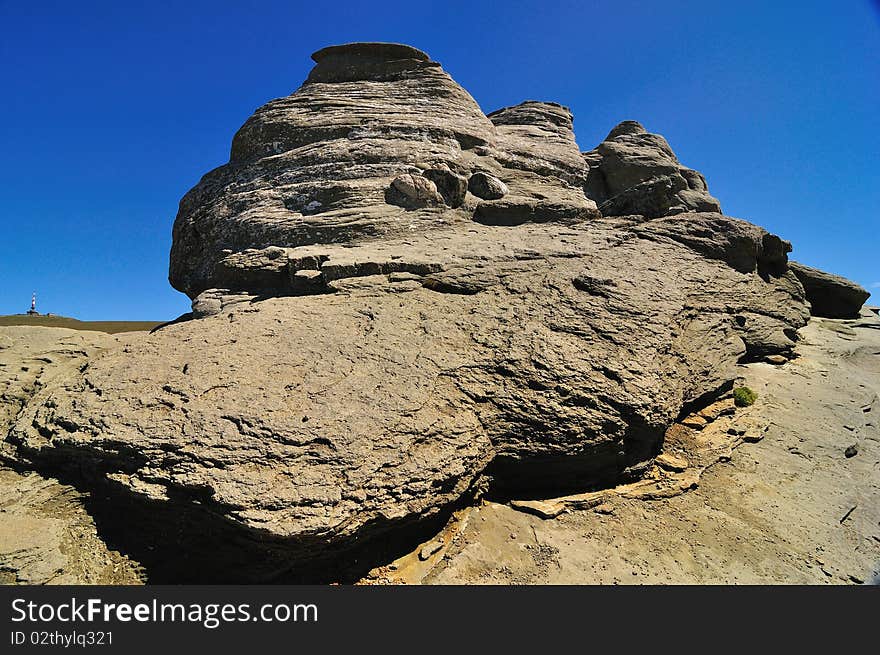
x=33 y=310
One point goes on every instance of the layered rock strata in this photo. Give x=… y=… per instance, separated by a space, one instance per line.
x=401 y=303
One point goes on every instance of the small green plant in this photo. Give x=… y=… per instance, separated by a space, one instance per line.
x=743 y=397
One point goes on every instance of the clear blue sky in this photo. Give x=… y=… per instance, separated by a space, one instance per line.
x=111 y=111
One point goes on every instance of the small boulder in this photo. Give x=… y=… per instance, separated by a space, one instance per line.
x=716 y=409
x=487 y=187
x=430 y=549
x=753 y=435
x=307 y=282
x=412 y=192
x=214 y=301
x=694 y=421
x=207 y=303
x=625 y=128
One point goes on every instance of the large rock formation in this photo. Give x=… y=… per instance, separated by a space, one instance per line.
x=542 y=356
x=830 y=295
x=403 y=301
x=634 y=172
x=379 y=142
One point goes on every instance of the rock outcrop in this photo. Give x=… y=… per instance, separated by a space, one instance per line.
x=377 y=143
x=532 y=357
x=635 y=172
x=831 y=296
x=403 y=302
x=31 y=358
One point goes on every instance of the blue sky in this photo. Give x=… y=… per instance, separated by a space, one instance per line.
x=111 y=111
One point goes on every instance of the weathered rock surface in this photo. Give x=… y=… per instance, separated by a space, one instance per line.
x=32 y=357
x=773 y=515
x=529 y=355
x=452 y=187
x=46 y=534
x=831 y=296
x=359 y=151
x=361 y=365
x=314 y=167
x=413 y=192
x=635 y=172
x=538 y=137
x=377 y=143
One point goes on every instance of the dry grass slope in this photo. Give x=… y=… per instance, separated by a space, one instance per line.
x=110 y=327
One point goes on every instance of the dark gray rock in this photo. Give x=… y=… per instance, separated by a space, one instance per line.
x=830 y=295
x=451 y=186
x=635 y=172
